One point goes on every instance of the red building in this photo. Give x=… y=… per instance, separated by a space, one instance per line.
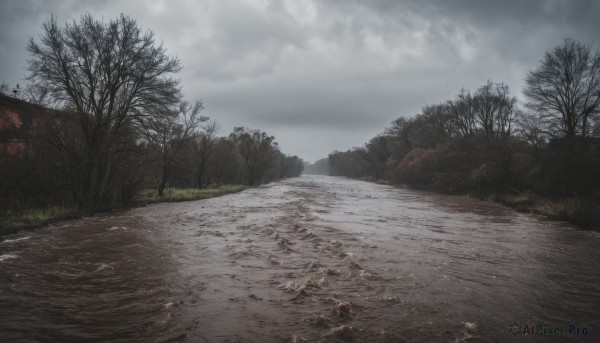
x=19 y=121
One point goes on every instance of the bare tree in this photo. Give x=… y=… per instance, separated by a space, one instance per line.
x=258 y=151
x=494 y=110
x=112 y=74
x=596 y=126
x=226 y=164
x=378 y=151
x=506 y=114
x=486 y=105
x=462 y=111
x=37 y=94
x=167 y=137
x=531 y=130
x=439 y=116
x=565 y=89
x=399 y=133
x=3 y=88
x=203 y=150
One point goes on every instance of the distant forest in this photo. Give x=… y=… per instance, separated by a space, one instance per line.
x=484 y=143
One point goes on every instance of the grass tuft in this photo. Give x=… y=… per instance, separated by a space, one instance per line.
x=584 y=213
x=12 y=221
x=186 y=194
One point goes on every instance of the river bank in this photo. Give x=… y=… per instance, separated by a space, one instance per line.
x=17 y=218
x=584 y=213
x=581 y=212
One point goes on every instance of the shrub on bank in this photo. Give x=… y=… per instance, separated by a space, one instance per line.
x=579 y=211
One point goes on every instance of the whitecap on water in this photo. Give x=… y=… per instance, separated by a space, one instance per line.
x=469 y=325
x=7 y=257
x=15 y=240
x=467 y=333
x=118 y=228
x=102 y=266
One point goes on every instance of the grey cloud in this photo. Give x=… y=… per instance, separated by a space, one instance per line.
x=328 y=74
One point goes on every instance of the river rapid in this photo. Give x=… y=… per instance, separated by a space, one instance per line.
x=310 y=259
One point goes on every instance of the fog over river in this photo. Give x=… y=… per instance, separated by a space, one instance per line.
x=307 y=259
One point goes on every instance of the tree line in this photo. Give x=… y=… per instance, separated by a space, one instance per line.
x=122 y=124
x=486 y=142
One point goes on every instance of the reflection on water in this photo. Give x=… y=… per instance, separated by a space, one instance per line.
x=315 y=258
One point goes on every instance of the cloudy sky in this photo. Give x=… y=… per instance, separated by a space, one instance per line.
x=324 y=75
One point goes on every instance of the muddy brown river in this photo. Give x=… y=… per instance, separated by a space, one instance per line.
x=311 y=259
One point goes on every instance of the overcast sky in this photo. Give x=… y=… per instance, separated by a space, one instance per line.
x=324 y=75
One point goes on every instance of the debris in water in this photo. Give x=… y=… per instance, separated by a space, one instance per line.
x=393 y=299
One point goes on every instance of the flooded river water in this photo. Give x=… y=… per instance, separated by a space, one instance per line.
x=315 y=259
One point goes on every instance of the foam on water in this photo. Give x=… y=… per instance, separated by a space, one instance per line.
x=15 y=240
x=7 y=257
